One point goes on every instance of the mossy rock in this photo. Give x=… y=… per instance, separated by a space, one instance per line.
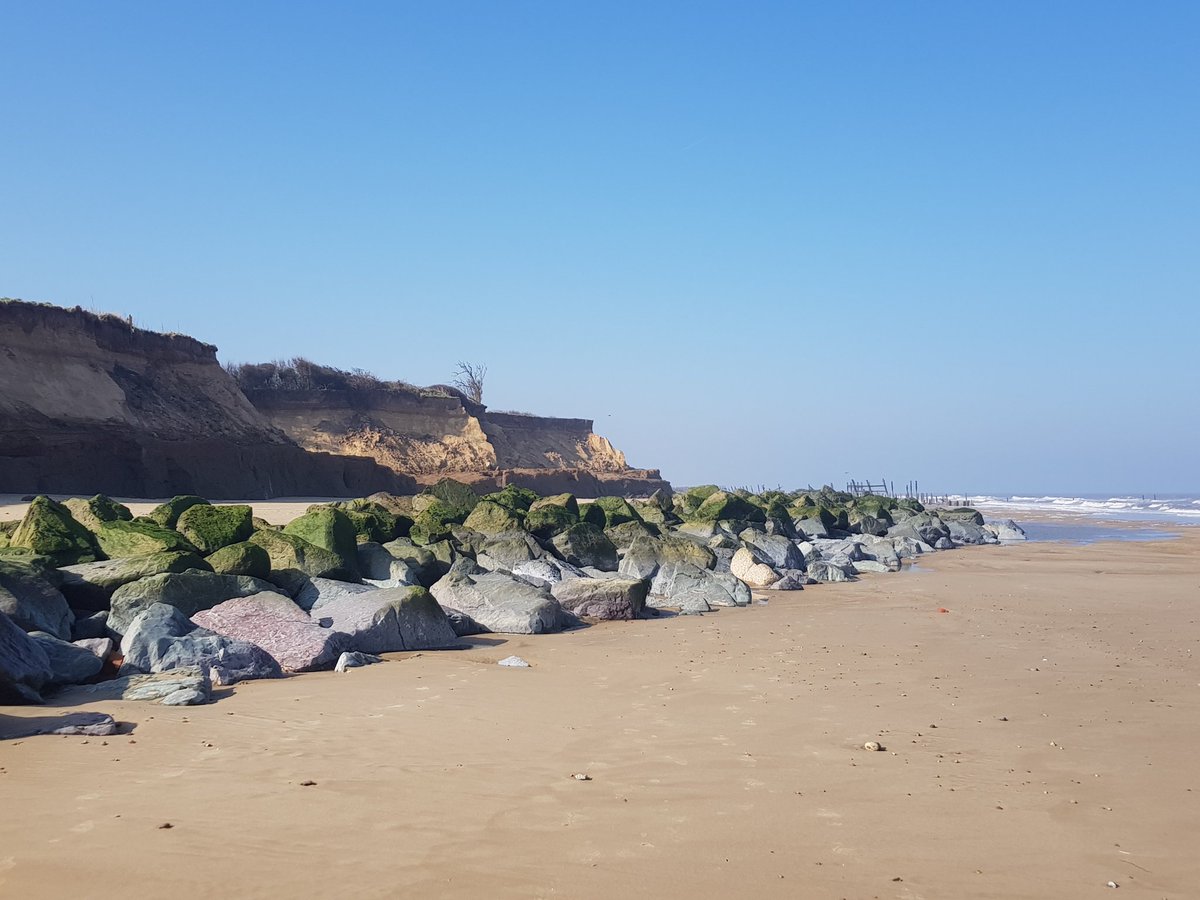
x=243 y=558
x=372 y=521
x=264 y=525
x=565 y=501
x=627 y=532
x=291 y=553
x=960 y=514
x=726 y=507
x=429 y=568
x=492 y=518
x=693 y=497
x=28 y=558
x=910 y=504
x=517 y=499
x=548 y=519
x=674 y=549
x=872 y=516
x=609 y=512
x=167 y=514
x=652 y=513
x=92 y=512
x=434 y=523
x=119 y=539
x=455 y=495
x=212 y=527
x=330 y=529
x=49 y=529
x=586 y=545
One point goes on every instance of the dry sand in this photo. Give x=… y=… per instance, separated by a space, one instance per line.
x=1040 y=741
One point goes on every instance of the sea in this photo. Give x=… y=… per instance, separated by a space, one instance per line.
x=1094 y=517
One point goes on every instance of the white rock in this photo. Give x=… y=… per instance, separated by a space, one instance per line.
x=514 y=661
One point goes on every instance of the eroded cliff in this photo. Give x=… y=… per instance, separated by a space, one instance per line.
x=90 y=403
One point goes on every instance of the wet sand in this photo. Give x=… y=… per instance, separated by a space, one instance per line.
x=1040 y=741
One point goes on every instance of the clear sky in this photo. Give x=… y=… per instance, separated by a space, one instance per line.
x=758 y=243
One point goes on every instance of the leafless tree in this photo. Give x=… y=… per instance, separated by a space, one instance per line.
x=468 y=378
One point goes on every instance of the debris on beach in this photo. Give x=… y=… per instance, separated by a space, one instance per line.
x=581 y=776
x=514 y=662
x=873 y=746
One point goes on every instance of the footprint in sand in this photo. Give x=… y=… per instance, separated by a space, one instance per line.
x=83 y=827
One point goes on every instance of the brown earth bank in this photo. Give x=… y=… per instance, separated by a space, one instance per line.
x=1037 y=733
x=91 y=403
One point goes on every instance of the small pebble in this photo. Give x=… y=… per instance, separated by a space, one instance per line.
x=1113 y=884
x=580 y=776
x=166 y=825
x=307 y=784
x=872 y=745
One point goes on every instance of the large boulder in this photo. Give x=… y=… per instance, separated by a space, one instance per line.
x=435 y=522
x=499 y=602
x=329 y=529
x=138 y=538
x=24 y=668
x=242 y=558
x=92 y=512
x=161 y=638
x=316 y=591
x=626 y=533
x=689 y=588
x=389 y=620
x=611 y=597
x=167 y=514
x=646 y=554
x=586 y=545
x=825 y=571
x=964 y=531
x=1006 y=531
x=546 y=571
x=506 y=551
x=608 y=512
x=294 y=559
x=753 y=568
x=188 y=686
x=32 y=602
x=960 y=514
x=726 y=507
x=212 y=527
x=69 y=663
x=489 y=517
x=280 y=627
x=381 y=569
x=373 y=521
x=776 y=550
x=427 y=564
x=552 y=515
x=923 y=527
x=49 y=529
x=189 y=592
x=88 y=586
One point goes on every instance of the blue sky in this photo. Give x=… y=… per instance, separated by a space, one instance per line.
x=764 y=243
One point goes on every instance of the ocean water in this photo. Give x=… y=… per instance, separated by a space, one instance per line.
x=1088 y=519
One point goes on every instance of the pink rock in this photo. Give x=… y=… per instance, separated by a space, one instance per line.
x=281 y=628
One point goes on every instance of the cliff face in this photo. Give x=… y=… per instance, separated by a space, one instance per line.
x=89 y=403
x=439 y=436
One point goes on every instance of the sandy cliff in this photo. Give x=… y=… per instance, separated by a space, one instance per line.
x=433 y=436
x=90 y=403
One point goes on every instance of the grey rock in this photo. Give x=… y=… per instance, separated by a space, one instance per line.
x=824 y=571
x=93 y=626
x=101 y=647
x=188 y=686
x=615 y=597
x=378 y=567
x=24 y=667
x=546 y=571
x=161 y=638
x=280 y=627
x=463 y=625
x=923 y=526
x=69 y=663
x=812 y=528
x=89 y=586
x=499 y=602
x=389 y=620
x=507 y=550
x=88 y=724
x=320 y=590
x=189 y=592
x=687 y=587
x=513 y=662
x=775 y=550
x=943 y=543
x=966 y=532
x=869 y=565
x=32 y=602
x=1007 y=531
x=791 y=582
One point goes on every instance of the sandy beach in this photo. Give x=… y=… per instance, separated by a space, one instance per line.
x=1038 y=737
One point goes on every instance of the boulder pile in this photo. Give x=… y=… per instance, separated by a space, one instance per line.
x=164 y=606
